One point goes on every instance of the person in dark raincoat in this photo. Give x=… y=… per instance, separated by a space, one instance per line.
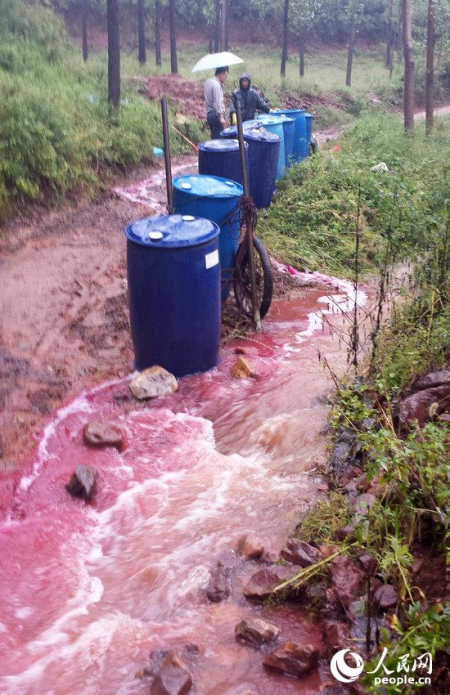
x=248 y=98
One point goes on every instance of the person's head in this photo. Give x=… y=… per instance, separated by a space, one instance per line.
x=245 y=81
x=221 y=74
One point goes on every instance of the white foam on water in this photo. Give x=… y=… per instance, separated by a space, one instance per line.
x=80 y=404
x=336 y=304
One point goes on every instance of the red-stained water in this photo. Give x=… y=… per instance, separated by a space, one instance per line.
x=87 y=591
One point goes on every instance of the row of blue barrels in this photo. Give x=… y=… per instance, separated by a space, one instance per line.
x=273 y=142
x=174 y=262
x=263 y=158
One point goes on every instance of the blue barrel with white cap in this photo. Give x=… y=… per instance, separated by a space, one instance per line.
x=217 y=199
x=174 y=293
x=221 y=158
x=288 y=133
x=301 y=144
x=263 y=157
x=274 y=124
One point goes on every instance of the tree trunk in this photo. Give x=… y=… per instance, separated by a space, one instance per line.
x=112 y=9
x=217 y=27
x=429 y=95
x=224 y=39
x=284 y=45
x=351 y=44
x=141 y=31
x=408 y=99
x=84 y=18
x=173 y=38
x=390 y=33
x=399 y=41
x=301 y=50
x=158 y=32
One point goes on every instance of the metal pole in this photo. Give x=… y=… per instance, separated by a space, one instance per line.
x=249 y=221
x=167 y=160
x=240 y=133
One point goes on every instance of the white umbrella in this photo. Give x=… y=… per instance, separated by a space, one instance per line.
x=216 y=60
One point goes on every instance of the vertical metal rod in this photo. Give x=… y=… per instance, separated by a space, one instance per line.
x=240 y=134
x=167 y=159
x=249 y=222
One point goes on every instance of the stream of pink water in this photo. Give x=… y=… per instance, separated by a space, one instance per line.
x=88 y=590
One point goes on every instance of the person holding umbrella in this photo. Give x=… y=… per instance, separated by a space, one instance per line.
x=215 y=105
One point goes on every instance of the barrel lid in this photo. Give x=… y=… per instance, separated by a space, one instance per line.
x=171 y=231
x=261 y=135
x=271 y=119
x=231 y=131
x=308 y=115
x=289 y=112
x=224 y=145
x=207 y=186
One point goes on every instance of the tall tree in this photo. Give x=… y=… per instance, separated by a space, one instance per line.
x=158 y=32
x=285 y=38
x=429 y=94
x=84 y=33
x=390 y=33
x=141 y=31
x=173 y=38
x=224 y=40
x=408 y=51
x=217 y=25
x=301 y=49
x=112 y=11
x=351 y=42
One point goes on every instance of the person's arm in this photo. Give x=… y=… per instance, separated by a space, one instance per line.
x=219 y=104
x=233 y=104
x=261 y=104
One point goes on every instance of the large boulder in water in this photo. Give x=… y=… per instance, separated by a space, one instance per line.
x=153 y=382
x=98 y=433
x=256 y=631
x=263 y=583
x=300 y=553
x=219 y=587
x=170 y=675
x=250 y=547
x=83 y=482
x=293 y=659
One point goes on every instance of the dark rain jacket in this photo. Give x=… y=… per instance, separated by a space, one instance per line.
x=249 y=100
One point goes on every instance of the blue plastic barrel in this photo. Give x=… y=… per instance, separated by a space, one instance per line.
x=216 y=199
x=221 y=158
x=309 y=118
x=274 y=124
x=301 y=144
x=174 y=293
x=288 y=132
x=263 y=155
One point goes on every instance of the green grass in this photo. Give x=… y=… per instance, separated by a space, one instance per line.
x=57 y=131
x=312 y=220
x=325 y=70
